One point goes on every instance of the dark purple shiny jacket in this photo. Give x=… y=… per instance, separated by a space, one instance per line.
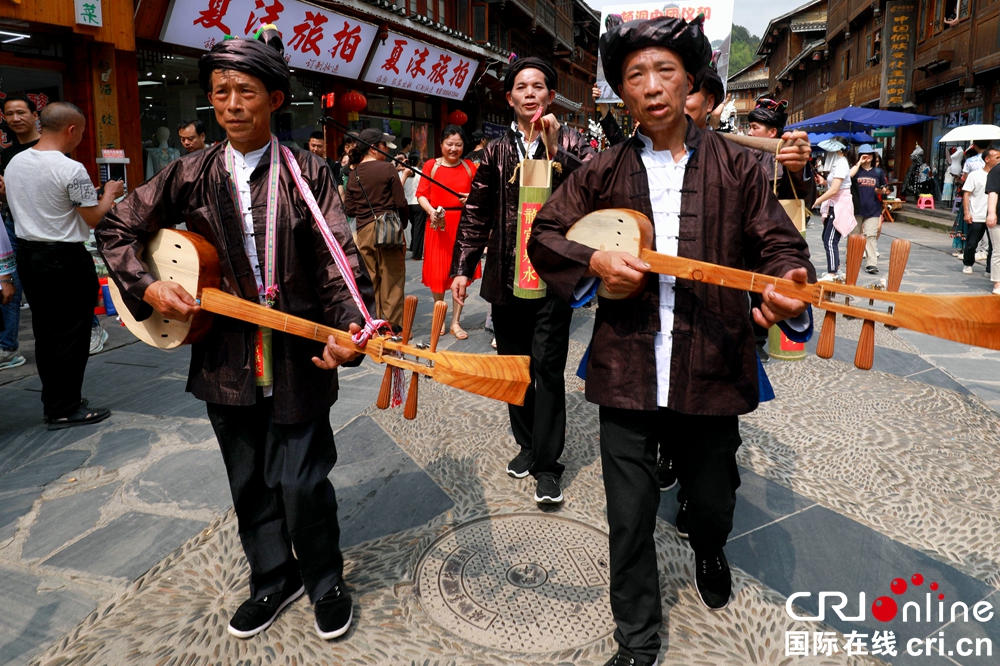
x=490 y=213
x=729 y=216
x=195 y=190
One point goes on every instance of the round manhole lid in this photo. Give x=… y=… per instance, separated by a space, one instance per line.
x=519 y=582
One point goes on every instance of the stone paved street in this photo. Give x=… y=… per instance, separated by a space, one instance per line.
x=118 y=544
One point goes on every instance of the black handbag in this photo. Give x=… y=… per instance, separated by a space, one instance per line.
x=388 y=226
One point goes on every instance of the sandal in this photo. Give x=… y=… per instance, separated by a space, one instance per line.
x=82 y=416
x=459 y=332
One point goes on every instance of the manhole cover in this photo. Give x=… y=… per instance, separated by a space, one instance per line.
x=522 y=583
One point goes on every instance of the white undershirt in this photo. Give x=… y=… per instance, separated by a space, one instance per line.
x=666 y=178
x=244 y=165
x=532 y=147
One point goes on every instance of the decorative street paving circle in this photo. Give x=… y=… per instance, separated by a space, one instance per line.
x=519 y=582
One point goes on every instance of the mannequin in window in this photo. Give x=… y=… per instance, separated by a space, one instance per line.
x=157 y=158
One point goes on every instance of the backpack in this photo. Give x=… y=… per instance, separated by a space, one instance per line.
x=439 y=161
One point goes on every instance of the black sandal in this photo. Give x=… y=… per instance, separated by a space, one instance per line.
x=81 y=416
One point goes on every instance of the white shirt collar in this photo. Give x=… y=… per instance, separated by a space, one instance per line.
x=251 y=159
x=664 y=155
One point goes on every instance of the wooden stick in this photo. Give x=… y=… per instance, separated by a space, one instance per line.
x=864 y=354
x=385 y=390
x=504 y=378
x=762 y=144
x=828 y=335
x=973 y=320
x=437 y=321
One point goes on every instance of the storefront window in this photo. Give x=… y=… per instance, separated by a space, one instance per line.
x=423 y=110
x=402 y=107
x=38 y=85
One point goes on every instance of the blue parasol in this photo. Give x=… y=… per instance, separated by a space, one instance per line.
x=855 y=118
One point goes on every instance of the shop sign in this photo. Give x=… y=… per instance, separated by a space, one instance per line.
x=718 y=28
x=494 y=131
x=884 y=132
x=899 y=40
x=403 y=62
x=315 y=39
x=88 y=12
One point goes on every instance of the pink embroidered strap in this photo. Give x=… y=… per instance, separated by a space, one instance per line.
x=372 y=326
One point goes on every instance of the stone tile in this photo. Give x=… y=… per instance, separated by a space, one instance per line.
x=119 y=447
x=972 y=368
x=128 y=546
x=196 y=432
x=361 y=440
x=31 y=620
x=63 y=519
x=820 y=550
x=42 y=471
x=898 y=363
x=933 y=346
x=758 y=502
x=18 y=448
x=988 y=392
x=190 y=479
x=12 y=507
x=941 y=379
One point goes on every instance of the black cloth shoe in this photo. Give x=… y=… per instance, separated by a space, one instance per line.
x=665 y=474
x=762 y=353
x=547 y=490
x=681 y=521
x=624 y=658
x=334 y=613
x=82 y=416
x=253 y=617
x=714 y=580
x=521 y=464
x=871 y=269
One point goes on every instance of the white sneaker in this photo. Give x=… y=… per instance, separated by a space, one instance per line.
x=98 y=336
x=996 y=288
x=967 y=270
x=980 y=256
x=10 y=359
x=828 y=277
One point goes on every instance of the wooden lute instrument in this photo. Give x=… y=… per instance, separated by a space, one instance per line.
x=972 y=320
x=192 y=262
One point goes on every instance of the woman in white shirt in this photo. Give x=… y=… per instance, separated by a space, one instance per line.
x=838 y=214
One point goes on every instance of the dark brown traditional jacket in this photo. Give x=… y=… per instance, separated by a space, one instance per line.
x=728 y=216
x=195 y=190
x=490 y=213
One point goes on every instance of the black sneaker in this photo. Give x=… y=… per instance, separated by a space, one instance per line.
x=521 y=464
x=873 y=270
x=623 y=658
x=762 y=354
x=253 y=617
x=547 y=490
x=713 y=580
x=666 y=477
x=681 y=521
x=334 y=613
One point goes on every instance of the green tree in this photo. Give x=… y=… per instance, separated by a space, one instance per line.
x=742 y=49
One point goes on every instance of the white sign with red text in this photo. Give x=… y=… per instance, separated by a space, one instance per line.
x=315 y=39
x=403 y=62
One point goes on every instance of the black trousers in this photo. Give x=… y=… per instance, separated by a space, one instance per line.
x=703 y=449
x=282 y=496
x=418 y=218
x=976 y=232
x=538 y=328
x=60 y=282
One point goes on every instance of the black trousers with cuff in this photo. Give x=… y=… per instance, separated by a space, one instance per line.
x=703 y=449
x=538 y=328
x=282 y=496
x=60 y=282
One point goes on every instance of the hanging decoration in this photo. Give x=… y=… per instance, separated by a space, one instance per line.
x=353 y=102
x=458 y=117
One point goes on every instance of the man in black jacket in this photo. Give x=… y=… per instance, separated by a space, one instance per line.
x=538 y=327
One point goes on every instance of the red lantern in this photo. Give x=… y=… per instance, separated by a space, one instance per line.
x=458 y=117
x=354 y=102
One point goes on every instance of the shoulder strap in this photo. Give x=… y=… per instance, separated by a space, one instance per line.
x=434 y=169
x=438 y=161
x=468 y=169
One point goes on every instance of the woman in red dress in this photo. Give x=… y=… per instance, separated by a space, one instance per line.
x=443 y=212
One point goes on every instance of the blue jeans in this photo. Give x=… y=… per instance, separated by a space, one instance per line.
x=12 y=311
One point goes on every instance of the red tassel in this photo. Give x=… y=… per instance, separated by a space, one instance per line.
x=398 y=388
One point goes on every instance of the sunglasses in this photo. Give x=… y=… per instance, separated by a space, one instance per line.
x=772 y=105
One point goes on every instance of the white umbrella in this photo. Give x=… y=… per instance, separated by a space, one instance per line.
x=972 y=133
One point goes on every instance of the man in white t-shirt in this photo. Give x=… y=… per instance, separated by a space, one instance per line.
x=54 y=205
x=974 y=207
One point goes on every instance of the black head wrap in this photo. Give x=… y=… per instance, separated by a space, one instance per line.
x=529 y=63
x=775 y=119
x=262 y=57
x=686 y=38
x=709 y=80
